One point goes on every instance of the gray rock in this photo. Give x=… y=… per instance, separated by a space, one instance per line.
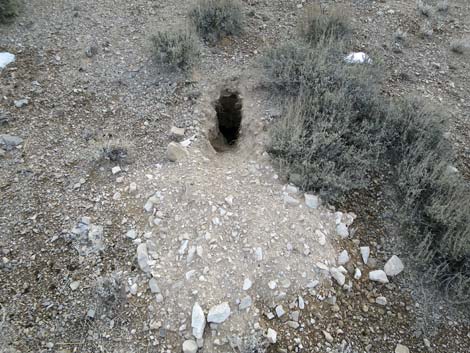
x=271 y=336
x=153 y=285
x=312 y=201
x=177 y=131
x=365 y=253
x=245 y=303
x=131 y=234
x=219 y=313
x=247 y=284
x=378 y=276
x=258 y=254
x=280 y=311
x=198 y=321
x=175 y=152
x=301 y=303
x=143 y=257
x=20 y=103
x=293 y=324
x=381 y=301
x=189 y=346
x=10 y=141
x=289 y=200
x=393 y=266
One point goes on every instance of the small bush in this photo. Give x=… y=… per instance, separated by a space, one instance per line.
x=399 y=36
x=175 y=49
x=8 y=10
x=443 y=6
x=460 y=46
x=424 y=9
x=317 y=26
x=216 y=19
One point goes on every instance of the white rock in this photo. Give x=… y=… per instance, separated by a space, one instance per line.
x=245 y=303
x=291 y=189
x=289 y=200
x=154 y=286
x=198 y=321
x=20 y=103
x=328 y=336
x=272 y=285
x=189 y=346
x=312 y=201
x=132 y=234
x=342 y=230
x=175 y=152
x=365 y=252
x=177 y=131
x=401 y=349
x=301 y=303
x=259 y=254
x=280 y=311
x=393 y=266
x=74 y=285
x=271 y=336
x=143 y=257
x=116 y=169
x=132 y=187
x=357 y=274
x=229 y=200
x=357 y=58
x=5 y=59
x=247 y=284
x=338 y=276
x=343 y=257
x=219 y=313
x=321 y=237
x=378 y=276
x=381 y=301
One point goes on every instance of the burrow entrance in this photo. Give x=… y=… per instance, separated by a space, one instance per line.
x=229 y=119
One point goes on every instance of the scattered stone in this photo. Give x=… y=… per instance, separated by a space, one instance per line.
x=365 y=252
x=393 y=266
x=153 y=285
x=342 y=230
x=177 y=131
x=219 y=313
x=357 y=58
x=301 y=303
x=338 y=275
x=229 y=200
x=6 y=59
x=74 y=285
x=132 y=187
x=328 y=336
x=271 y=336
x=115 y=170
x=91 y=313
x=321 y=237
x=378 y=276
x=198 y=321
x=280 y=311
x=245 y=303
x=175 y=152
x=143 y=257
x=91 y=51
x=291 y=189
x=312 y=201
x=381 y=301
x=10 y=141
x=289 y=200
x=259 y=254
x=132 y=234
x=343 y=257
x=401 y=349
x=190 y=346
x=357 y=274
x=20 y=103
x=293 y=324
x=247 y=284
x=272 y=285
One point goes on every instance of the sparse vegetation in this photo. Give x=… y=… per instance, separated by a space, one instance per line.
x=175 y=49
x=443 y=6
x=339 y=132
x=216 y=19
x=424 y=9
x=8 y=10
x=460 y=46
x=316 y=25
x=399 y=36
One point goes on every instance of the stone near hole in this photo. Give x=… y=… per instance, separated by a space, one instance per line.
x=176 y=152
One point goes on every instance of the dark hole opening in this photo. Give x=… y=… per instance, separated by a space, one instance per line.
x=229 y=116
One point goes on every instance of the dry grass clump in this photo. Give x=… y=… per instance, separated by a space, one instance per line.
x=424 y=9
x=175 y=49
x=216 y=19
x=338 y=133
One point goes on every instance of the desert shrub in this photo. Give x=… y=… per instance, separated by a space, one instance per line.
x=443 y=6
x=423 y=8
x=316 y=25
x=215 y=19
x=8 y=10
x=175 y=49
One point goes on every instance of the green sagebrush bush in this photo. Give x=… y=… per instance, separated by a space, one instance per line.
x=175 y=49
x=8 y=10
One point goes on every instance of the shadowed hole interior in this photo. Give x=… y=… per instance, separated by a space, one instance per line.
x=229 y=116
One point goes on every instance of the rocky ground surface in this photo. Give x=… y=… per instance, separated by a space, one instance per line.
x=112 y=241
